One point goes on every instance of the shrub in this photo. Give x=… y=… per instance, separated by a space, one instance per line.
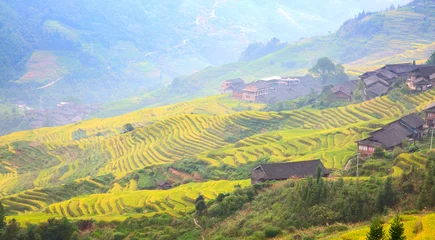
x=336 y=228
x=118 y=236
x=271 y=232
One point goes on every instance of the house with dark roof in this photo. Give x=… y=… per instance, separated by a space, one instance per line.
x=430 y=115
x=407 y=128
x=232 y=84
x=378 y=82
x=344 y=91
x=402 y=70
x=376 y=90
x=284 y=171
x=421 y=78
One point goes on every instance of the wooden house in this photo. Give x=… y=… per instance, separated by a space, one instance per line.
x=255 y=90
x=408 y=128
x=230 y=85
x=284 y=171
x=421 y=78
x=430 y=115
x=344 y=91
x=377 y=82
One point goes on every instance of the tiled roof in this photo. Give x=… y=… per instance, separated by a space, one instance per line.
x=291 y=169
x=378 y=89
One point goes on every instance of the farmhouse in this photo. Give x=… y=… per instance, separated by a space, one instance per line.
x=255 y=90
x=378 y=82
x=284 y=171
x=229 y=85
x=421 y=78
x=344 y=91
x=408 y=128
x=271 y=89
x=430 y=115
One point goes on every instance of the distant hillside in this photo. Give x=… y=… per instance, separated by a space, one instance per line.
x=108 y=50
x=365 y=42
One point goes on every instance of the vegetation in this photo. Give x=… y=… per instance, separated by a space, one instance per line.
x=376 y=230
x=397 y=231
x=328 y=72
x=431 y=60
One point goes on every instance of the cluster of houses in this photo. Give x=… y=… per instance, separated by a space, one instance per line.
x=380 y=81
x=269 y=90
x=409 y=128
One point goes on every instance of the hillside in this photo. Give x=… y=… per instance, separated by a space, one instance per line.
x=361 y=44
x=202 y=141
x=143 y=44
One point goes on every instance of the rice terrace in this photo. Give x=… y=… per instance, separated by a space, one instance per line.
x=221 y=120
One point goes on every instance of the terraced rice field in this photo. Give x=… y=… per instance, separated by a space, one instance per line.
x=334 y=147
x=410 y=223
x=49 y=157
x=174 y=201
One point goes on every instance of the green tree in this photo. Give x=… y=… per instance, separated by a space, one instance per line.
x=389 y=193
x=318 y=174
x=396 y=229
x=200 y=205
x=323 y=68
x=376 y=230
x=2 y=216
x=127 y=128
x=431 y=60
x=327 y=71
x=378 y=153
x=12 y=231
x=56 y=229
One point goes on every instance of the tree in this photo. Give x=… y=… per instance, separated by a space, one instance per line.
x=323 y=68
x=2 y=216
x=127 y=128
x=56 y=229
x=327 y=71
x=431 y=60
x=200 y=205
x=376 y=230
x=396 y=229
x=378 y=153
x=318 y=174
x=389 y=193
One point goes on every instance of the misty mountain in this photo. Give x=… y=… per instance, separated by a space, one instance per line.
x=120 y=48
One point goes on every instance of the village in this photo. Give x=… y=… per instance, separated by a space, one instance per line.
x=376 y=83
x=404 y=131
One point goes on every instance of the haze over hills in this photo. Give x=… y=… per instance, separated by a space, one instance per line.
x=117 y=48
x=314 y=157
x=361 y=44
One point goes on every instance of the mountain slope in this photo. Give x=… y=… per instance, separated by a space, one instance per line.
x=123 y=48
x=362 y=43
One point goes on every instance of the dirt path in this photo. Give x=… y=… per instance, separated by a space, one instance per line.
x=202 y=230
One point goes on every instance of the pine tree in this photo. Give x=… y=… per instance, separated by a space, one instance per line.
x=431 y=60
x=376 y=230
x=396 y=229
x=2 y=217
x=389 y=193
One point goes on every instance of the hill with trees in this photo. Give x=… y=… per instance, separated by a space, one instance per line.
x=363 y=43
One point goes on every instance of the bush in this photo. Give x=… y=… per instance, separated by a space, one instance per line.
x=271 y=232
x=118 y=236
x=336 y=228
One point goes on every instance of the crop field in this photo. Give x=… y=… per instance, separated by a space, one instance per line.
x=210 y=129
x=174 y=201
x=417 y=227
